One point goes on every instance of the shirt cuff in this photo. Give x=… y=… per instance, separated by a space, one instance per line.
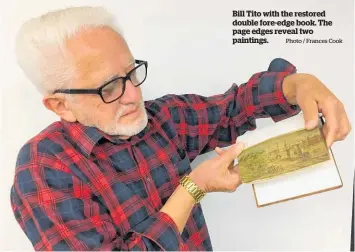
x=162 y=230
x=269 y=97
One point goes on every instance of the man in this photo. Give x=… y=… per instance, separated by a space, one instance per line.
x=114 y=173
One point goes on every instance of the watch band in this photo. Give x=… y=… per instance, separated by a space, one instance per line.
x=192 y=188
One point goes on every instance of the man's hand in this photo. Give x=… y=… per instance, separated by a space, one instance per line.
x=314 y=97
x=219 y=174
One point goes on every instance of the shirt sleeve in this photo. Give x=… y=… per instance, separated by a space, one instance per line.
x=57 y=211
x=202 y=123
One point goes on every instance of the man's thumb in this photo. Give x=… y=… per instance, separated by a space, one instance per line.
x=233 y=152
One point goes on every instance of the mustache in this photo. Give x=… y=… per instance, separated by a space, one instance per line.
x=124 y=108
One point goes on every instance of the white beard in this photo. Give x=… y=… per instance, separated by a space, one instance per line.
x=128 y=129
x=117 y=129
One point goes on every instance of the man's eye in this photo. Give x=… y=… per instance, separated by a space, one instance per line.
x=108 y=90
x=110 y=87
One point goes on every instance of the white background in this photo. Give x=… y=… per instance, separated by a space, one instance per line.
x=189 y=49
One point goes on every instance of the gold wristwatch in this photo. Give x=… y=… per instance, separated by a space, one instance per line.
x=192 y=188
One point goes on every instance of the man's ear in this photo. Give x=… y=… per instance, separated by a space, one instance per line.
x=59 y=105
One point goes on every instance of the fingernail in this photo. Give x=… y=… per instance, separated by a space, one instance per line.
x=329 y=142
x=311 y=124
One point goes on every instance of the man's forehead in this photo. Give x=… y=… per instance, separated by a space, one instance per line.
x=97 y=75
x=99 y=44
x=98 y=58
x=113 y=75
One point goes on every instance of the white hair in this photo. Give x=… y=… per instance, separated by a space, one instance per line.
x=40 y=44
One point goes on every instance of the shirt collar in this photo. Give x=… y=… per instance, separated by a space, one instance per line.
x=85 y=138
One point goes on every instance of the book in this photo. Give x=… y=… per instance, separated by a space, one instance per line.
x=284 y=161
x=283 y=154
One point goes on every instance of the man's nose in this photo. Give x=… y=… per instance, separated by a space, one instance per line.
x=131 y=94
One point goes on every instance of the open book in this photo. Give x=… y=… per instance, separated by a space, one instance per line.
x=283 y=161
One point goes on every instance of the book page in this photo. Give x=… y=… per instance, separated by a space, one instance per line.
x=322 y=177
x=283 y=154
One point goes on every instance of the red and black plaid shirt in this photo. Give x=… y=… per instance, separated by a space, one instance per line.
x=76 y=188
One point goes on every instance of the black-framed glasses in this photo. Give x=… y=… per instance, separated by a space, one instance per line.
x=114 y=89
